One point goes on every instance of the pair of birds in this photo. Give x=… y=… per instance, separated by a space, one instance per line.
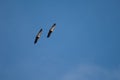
x=40 y=32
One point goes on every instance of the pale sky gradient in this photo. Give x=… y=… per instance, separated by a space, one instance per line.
x=85 y=44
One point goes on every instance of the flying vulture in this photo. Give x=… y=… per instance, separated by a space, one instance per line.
x=51 y=30
x=38 y=36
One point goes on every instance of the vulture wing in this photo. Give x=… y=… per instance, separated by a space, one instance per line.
x=51 y=30
x=38 y=36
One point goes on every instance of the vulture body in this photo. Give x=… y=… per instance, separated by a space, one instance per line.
x=38 y=36
x=51 y=30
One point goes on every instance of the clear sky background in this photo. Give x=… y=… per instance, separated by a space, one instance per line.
x=84 y=46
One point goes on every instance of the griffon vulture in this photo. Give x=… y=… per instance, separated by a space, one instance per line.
x=38 y=36
x=51 y=30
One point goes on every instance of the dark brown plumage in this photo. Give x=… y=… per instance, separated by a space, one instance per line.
x=51 y=30
x=38 y=36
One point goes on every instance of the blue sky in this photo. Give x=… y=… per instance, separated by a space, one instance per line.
x=84 y=46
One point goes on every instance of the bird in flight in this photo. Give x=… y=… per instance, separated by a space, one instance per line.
x=38 y=36
x=51 y=30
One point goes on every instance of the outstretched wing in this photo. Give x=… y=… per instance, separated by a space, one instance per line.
x=49 y=33
x=51 y=30
x=38 y=36
x=36 y=39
